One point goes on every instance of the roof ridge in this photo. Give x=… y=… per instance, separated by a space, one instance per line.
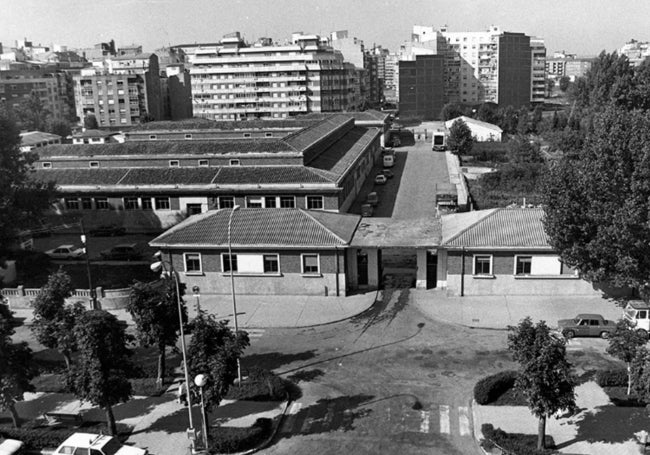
x=189 y=222
x=128 y=171
x=474 y=224
x=305 y=212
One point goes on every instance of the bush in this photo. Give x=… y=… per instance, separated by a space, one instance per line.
x=235 y=439
x=146 y=387
x=262 y=385
x=516 y=443
x=37 y=438
x=612 y=378
x=492 y=387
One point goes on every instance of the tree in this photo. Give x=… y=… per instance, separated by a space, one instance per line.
x=214 y=351
x=59 y=127
x=22 y=200
x=523 y=123
x=452 y=110
x=154 y=309
x=624 y=344
x=537 y=119
x=54 y=321
x=564 y=83
x=488 y=112
x=544 y=374
x=17 y=371
x=99 y=375
x=508 y=119
x=460 y=138
x=550 y=83
x=32 y=113
x=90 y=122
x=597 y=202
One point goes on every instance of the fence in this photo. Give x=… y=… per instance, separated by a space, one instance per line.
x=109 y=299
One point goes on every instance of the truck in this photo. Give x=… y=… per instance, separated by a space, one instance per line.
x=637 y=312
x=439 y=140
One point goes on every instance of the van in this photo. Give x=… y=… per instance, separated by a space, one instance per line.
x=389 y=160
x=372 y=199
x=439 y=141
x=637 y=312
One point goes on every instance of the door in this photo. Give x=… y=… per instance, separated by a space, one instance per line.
x=193 y=209
x=362 y=268
x=432 y=270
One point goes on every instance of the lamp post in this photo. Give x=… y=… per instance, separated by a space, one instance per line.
x=197 y=293
x=156 y=266
x=232 y=285
x=93 y=294
x=200 y=380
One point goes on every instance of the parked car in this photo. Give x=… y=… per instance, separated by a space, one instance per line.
x=11 y=447
x=107 y=230
x=65 y=252
x=96 y=444
x=586 y=325
x=388 y=173
x=638 y=313
x=389 y=160
x=366 y=210
x=380 y=179
x=123 y=252
x=372 y=199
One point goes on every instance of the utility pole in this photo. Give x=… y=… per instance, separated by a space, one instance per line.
x=93 y=294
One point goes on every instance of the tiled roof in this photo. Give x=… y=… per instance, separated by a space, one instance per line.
x=200 y=124
x=471 y=121
x=302 y=139
x=94 y=133
x=504 y=228
x=262 y=227
x=340 y=156
x=168 y=176
x=269 y=174
x=79 y=176
x=36 y=137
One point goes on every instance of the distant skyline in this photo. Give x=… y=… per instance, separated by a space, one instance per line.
x=584 y=27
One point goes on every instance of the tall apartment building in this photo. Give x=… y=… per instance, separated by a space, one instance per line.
x=570 y=65
x=121 y=91
x=391 y=78
x=538 y=70
x=235 y=81
x=635 y=51
x=421 y=87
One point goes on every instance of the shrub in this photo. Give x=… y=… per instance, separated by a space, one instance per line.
x=146 y=387
x=612 y=378
x=235 y=439
x=516 y=443
x=261 y=385
x=492 y=387
x=37 y=438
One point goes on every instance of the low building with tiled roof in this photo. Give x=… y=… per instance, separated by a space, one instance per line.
x=504 y=251
x=481 y=131
x=281 y=251
x=37 y=139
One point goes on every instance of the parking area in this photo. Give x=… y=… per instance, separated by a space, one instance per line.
x=97 y=244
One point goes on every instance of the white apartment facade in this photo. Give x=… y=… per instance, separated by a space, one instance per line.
x=234 y=81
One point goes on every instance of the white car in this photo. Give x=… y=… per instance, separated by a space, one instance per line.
x=65 y=252
x=380 y=179
x=96 y=444
x=10 y=447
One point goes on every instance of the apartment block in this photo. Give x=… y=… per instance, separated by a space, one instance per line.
x=237 y=81
x=421 y=87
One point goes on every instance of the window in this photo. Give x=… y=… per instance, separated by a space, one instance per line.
x=271 y=263
x=482 y=265
x=86 y=203
x=235 y=162
x=226 y=202
x=174 y=163
x=310 y=263
x=226 y=262
x=152 y=137
x=268 y=134
x=203 y=163
x=188 y=136
x=162 y=203
x=523 y=265
x=270 y=202
x=315 y=202
x=46 y=165
x=101 y=203
x=192 y=262
x=93 y=164
x=254 y=202
x=145 y=202
x=130 y=203
x=287 y=202
x=247 y=134
x=72 y=203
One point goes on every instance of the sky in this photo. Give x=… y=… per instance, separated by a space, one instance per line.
x=585 y=27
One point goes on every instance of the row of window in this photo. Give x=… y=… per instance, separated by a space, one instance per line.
x=153 y=137
x=130 y=203
x=272 y=202
x=172 y=163
x=250 y=263
x=524 y=265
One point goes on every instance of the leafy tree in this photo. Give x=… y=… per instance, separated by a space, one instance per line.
x=624 y=344
x=32 y=113
x=16 y=371
x=564 y=83
x=598 y=202
x=523 y=123
x=488 y=112
x=550 y=83
x=460 y=138
x=508 y=120
x=520 y=150
x=59 y=127
x=99 y=375
x=214 y=351
x=54 y=321
x=21 y=200
x=544 y=375
x=90 y=122
x=452 y=110
x=155 y=312
x=537 y=119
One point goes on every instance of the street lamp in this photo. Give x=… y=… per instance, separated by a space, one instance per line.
x=156 y=266
x=232 y=285
x=197 y=293
x=200 y=380
x=93 y=293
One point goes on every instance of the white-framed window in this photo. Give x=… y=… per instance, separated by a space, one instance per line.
x=226 y=202
x=162 y=203
x=86 y=203
x=252 y=263
x=523 y=265
x=145 y=203
x=310 y=263
x=192 y=263
x=72 y=203
x=174 y=163
x=235 y=162
x=226 y=262
x=482 y=264
x=46 y=165
x=536 y=265
x=93 y=164
x=203 y=163
x=101 y=203
x=130 y=203
x=256 y=202
x=188 y=136
x=271 y=263
x=152 y=137
x=314 y=202
x=287 y=202
x=270 y=202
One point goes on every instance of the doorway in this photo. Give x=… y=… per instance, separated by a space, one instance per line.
x=362 y=268
x=432 y=270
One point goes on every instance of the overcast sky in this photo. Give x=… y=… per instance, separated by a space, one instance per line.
x=579 y=26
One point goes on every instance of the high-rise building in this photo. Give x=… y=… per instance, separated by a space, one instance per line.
x=635 y=51
x=236 y=81
x=421 y=87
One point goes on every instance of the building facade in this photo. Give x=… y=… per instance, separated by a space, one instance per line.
x=235 y=81
x=421 y=87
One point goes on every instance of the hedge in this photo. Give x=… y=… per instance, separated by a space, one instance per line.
x=514 y=443
x=488 y=389
x=37 y=438
x=262 y=385
x=236 y=439
x=612 y=378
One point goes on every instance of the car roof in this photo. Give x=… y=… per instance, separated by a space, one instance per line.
x=87 y=440
x=122 y=245
x=589 y=316
x=64 y=246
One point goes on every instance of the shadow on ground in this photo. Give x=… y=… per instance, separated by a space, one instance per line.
x=133 y=408
x=274 y=360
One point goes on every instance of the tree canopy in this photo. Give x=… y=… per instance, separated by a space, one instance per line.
x=624 y=344
x=460 y=138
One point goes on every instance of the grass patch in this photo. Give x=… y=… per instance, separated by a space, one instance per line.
x=234 y=439
x=618 y=396
x=516 y=443
x=264 y=385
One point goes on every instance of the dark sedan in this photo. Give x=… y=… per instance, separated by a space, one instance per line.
x=586 y=325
